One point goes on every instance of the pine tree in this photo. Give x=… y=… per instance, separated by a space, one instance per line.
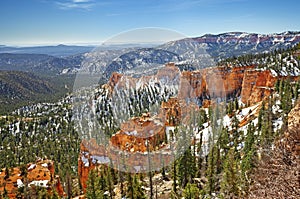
x=138 y=192
x=134 y=188
x=230 y=179
x=211 y=171
x=92 y=190
x=69 y=185
x=130 y=189
x=7 y=173
x=191 y=191
x=109 y=181
x=261 y=116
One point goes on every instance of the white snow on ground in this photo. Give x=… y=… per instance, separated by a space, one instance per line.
x=20 y=183
x=296 y=71
x=100 y=159
x=205 y=138
x=133 y=133
x=240 y=146
x=85 y=161
x=255 y=121
x=205 y=125
x=168 y=130
x=274 y=73
x=281 y=40
x=246 y=111
x=45 y=165
x=137 y=168
x=276 y=109
x=31 y=166
x=241 y=104
x=277 y=124
x=39 y=183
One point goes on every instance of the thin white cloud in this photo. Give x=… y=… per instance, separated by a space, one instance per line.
x=81 y=1
x=170 y=6
x=76 y=4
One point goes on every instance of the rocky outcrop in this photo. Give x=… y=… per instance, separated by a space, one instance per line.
x=140 y=134
x=247 y=82
x=39 y=174
x=217 y=82
x=257 y=85
x=84 y=161
x=291 y=140
x=139 y=140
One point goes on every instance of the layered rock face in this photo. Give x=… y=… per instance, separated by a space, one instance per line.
x=251 y=84
x=39 y=174
x=256 y=86
x=217 y=82
x=291 y=141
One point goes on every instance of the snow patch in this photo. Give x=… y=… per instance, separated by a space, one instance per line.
x=85 y=161
x=31 y=167
x=45 y=165
x=20 y=183
x=100 y=159
x=39 y=183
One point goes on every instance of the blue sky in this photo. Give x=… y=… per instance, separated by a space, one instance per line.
x=26 y=22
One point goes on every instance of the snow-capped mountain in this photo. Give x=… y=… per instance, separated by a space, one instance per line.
x=231 y=44
x=141 y=60
x=198 y=52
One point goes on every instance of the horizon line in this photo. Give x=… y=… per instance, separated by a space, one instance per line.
x=99 y=43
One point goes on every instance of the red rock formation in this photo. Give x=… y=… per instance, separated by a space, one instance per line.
x=85 y=167
x=137 y=132
x=256 y=86
x=214 y=82
x=171 y=112
x=250 y=84
x=136 y=136
x=40 y=173
x=130 y=142
x=114 y=79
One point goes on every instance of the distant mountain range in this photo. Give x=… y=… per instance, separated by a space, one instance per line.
x=58 y=51
x=199 y=52
x=39 y=63
x=25 y=72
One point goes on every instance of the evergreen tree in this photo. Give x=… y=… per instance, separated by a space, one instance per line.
x=139 y=192
x=134 y=189
x=92 y=190
x=230 y=179
x=191 y=191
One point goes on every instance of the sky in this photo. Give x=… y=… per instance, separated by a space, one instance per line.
x=38 y=22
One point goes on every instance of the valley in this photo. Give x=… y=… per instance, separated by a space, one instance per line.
x=207 y=117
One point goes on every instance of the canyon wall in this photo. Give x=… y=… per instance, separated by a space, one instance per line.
x=257 y=85
x=247 y=82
